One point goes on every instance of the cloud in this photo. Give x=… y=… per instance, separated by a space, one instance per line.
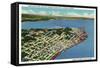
x=42 y=13
x=54 y=13
x=72 y=14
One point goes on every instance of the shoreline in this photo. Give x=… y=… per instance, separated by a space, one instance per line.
x=58 y=53
x=31 y=17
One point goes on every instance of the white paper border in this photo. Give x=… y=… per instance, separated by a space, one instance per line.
x=60 y=60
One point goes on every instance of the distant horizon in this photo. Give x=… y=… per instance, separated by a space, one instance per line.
x=57 y=11
x=74 y=16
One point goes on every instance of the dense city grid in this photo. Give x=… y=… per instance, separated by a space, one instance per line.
x=45 y=44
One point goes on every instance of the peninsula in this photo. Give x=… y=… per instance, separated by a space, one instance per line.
x=46 y=44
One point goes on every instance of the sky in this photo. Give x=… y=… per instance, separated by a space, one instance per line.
x=57 y=11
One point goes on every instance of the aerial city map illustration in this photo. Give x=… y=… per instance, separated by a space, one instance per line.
x=55 y=33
